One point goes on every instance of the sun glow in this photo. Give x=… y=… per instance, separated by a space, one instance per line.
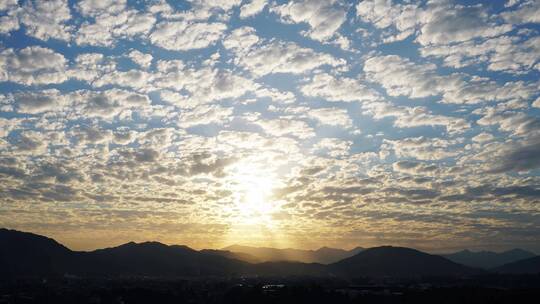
x=255 y=215
x=253 y=193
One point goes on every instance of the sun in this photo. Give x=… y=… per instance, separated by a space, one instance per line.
x=252 y=218
x=252 y=185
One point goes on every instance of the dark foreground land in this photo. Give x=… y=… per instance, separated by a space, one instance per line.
x=481 y=289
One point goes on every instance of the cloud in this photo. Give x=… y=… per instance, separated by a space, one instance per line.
x=252 y=8
x=205 y=114
x=111 y=20
x=331 y=116
x=47 y=19
x=107 y=104
x=223 y=5
x=9 y=20
x=402 y=77
x=143 y=60
x=240 y=39
x=536 y=103
x=526 y=12
x=284 y=126
x=444 y=22
x=338 y=89
x=29 y=142
x=89 y=66
x=383 y=14
x=376 y=120
x=483 y=137
x=334 y=147
x=83 y=135
x=132 y=79
x=324 y=17
x=515 y=122
x=202 y=86
x=182 y=35
x=95 y=8
x=523 y=157
x=505 y=53
x=412 y=167
x=39 y=102
x=423 y=148
x=407 y=117
x=280 y=57
x=437 y=22
x=33 y=65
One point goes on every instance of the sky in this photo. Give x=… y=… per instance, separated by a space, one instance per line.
x=272 y=123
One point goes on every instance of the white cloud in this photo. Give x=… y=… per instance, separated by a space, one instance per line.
x=205 y=114
x=240 y=39
x=181 y=35
x=536 y=103
x=32 y=65
x=423 y=148
x=204 y=85
x=334 y=147
x=483 y=137
x=143 y=60
x=38 y=102
x=8 y=23
x=383 y=14
x=47 y=19
x=338 y=89
x=283 y=57
x=324 y=17
x=402 y=77
x=111 y=24
x=408 y=117
x=527 y=12
x=89 y=66
x=132 y=79
x=504 y=53
x=331 y=116
x=445 y=22
x=9 y=20
x=515 y=122
x=98 y=7
x=252 y=8
x=107 y=104
x=439 y=22
x=286 y=126
x=224 y=5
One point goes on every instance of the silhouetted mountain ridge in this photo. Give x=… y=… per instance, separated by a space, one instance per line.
x=488 y=259
x=27 y=254
x=34 y=254
x=233 y=255
x=525 y=266
x=398 y=262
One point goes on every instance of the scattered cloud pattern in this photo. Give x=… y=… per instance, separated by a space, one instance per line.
x=284 y=123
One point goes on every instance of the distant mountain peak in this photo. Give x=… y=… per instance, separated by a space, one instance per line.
x=488 y=259
x=398 y=261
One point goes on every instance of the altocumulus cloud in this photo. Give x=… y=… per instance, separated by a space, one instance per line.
x=406 y=122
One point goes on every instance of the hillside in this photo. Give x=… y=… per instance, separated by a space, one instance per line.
x=398 y=262
x=488 y=259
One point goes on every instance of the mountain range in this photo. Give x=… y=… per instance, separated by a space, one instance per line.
x=488 y=259
x=528 y=266
x=27 y=254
